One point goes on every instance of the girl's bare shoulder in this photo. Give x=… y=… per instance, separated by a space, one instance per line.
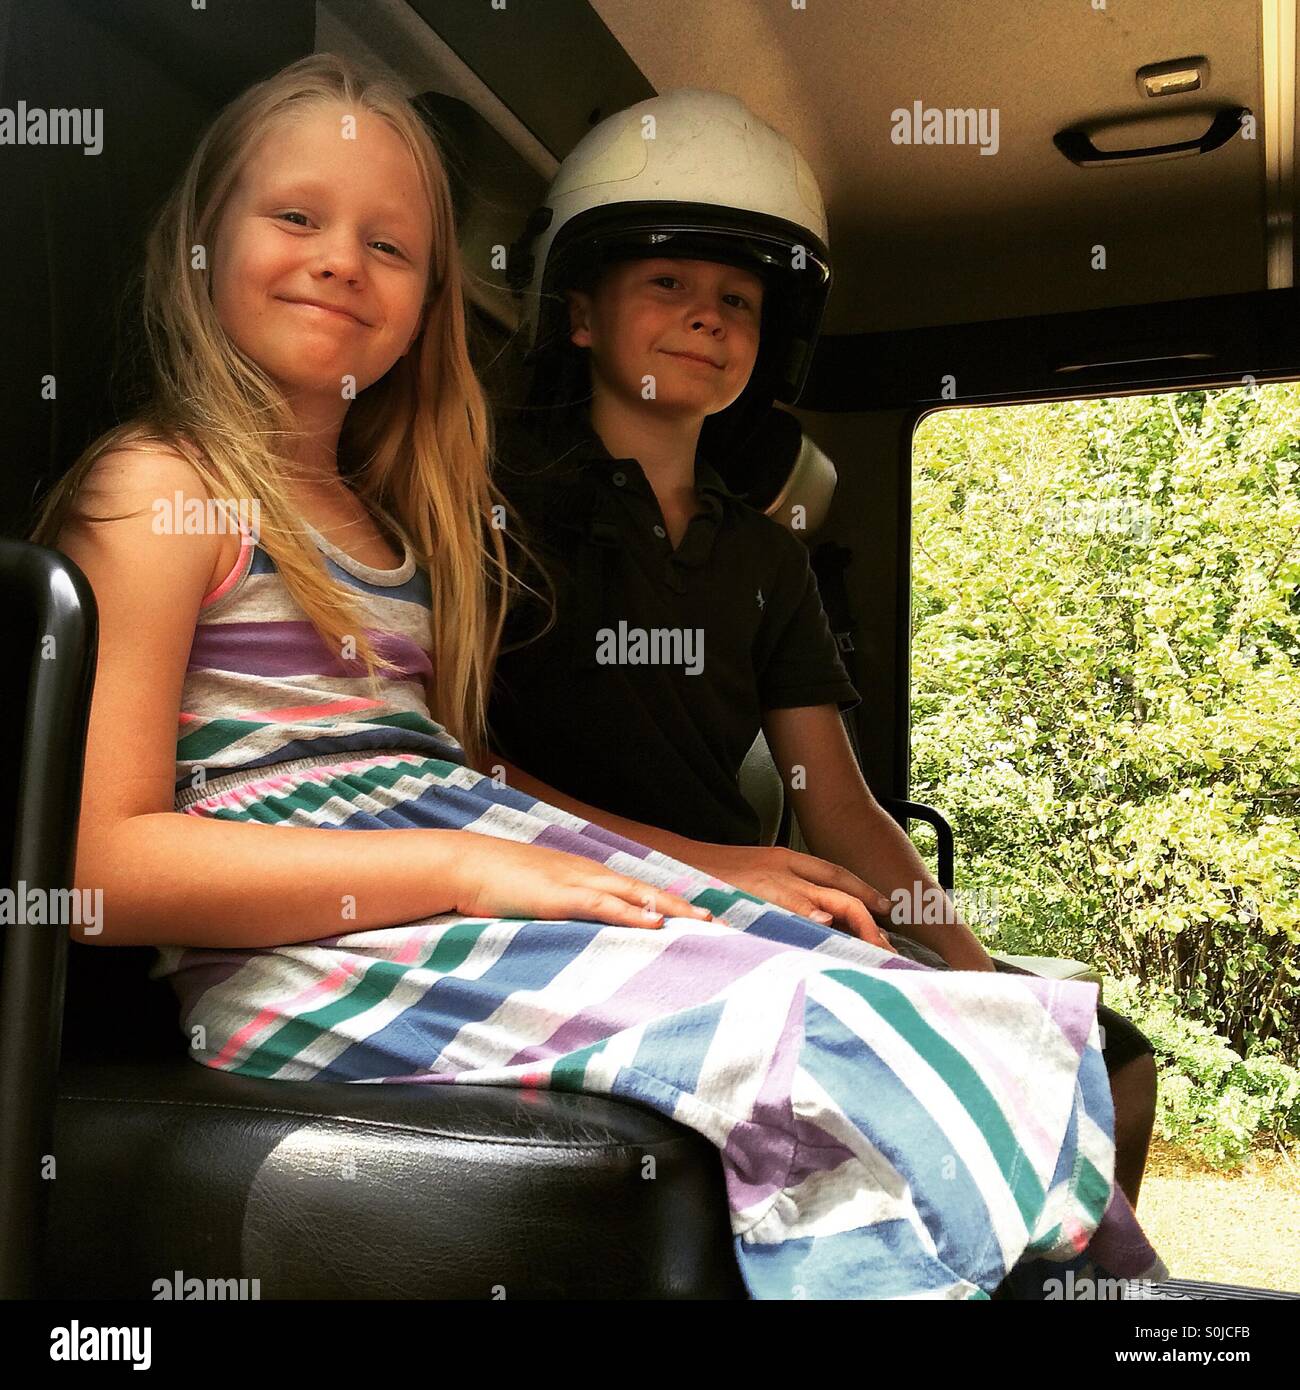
x=142 y=456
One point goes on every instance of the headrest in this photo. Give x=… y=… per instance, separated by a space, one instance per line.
x=780 y=471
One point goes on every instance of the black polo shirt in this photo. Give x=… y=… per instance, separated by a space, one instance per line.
x=647 y=694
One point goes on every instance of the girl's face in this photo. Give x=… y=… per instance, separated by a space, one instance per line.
x=645 y=314
x=344 y=222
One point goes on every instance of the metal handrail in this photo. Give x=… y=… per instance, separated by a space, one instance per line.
x=903 y=811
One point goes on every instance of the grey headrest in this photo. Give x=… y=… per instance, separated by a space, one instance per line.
x=777 y=469
x=807 y=491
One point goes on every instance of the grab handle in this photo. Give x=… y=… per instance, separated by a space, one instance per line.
x=1076 y=144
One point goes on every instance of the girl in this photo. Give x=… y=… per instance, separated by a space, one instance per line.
x=880 y=1133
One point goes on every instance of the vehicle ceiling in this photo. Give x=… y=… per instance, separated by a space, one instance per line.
x=934 y=234
x=923 y=235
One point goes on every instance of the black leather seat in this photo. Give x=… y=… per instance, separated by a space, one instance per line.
x=327 y=1190
x=314 y=1189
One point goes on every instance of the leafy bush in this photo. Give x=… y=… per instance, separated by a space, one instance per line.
x=1106 y=704
x=1209 y=1099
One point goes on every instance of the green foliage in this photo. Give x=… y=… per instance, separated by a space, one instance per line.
x=1209 y=1099
x=1106 y=688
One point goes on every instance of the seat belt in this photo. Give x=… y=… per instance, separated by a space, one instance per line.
x=829 y=561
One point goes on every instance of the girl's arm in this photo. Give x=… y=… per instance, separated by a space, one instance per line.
x=170 y=879
x=843 y=823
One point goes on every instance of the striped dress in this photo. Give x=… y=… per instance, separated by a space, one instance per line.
x=885 y=1130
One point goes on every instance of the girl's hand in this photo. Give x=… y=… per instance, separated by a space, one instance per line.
x=503 y=878
x=800 y=883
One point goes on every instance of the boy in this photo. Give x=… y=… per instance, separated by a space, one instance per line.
x=686 y=620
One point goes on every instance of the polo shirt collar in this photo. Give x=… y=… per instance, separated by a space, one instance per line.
x=590 y=450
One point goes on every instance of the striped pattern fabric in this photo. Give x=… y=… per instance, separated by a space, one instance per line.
x=885 y=1130
x=263 y=689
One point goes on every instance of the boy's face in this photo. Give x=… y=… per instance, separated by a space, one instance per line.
x=343 y=221
x=644 y=316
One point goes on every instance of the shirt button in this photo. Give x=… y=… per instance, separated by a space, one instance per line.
x=660 y=532
x=620 y=479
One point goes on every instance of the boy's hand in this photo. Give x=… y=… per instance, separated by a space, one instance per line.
x=800 y=883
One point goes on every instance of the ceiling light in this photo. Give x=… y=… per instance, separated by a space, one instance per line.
x=1177 y=75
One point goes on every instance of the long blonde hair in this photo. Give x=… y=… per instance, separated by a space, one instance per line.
x=418 y=440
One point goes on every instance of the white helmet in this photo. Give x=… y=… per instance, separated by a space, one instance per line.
x=693 y=175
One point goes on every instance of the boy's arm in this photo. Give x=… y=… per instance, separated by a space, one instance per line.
x=843 y=823
x=794 y=881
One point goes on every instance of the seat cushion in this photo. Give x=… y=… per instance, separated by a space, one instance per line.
x=330 y=1190
x=1053 y=967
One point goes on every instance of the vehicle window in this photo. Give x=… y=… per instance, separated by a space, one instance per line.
x=1105 y=688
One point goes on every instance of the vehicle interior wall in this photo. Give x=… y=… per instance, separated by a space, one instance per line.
x=868 y=516
x=76 y=223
